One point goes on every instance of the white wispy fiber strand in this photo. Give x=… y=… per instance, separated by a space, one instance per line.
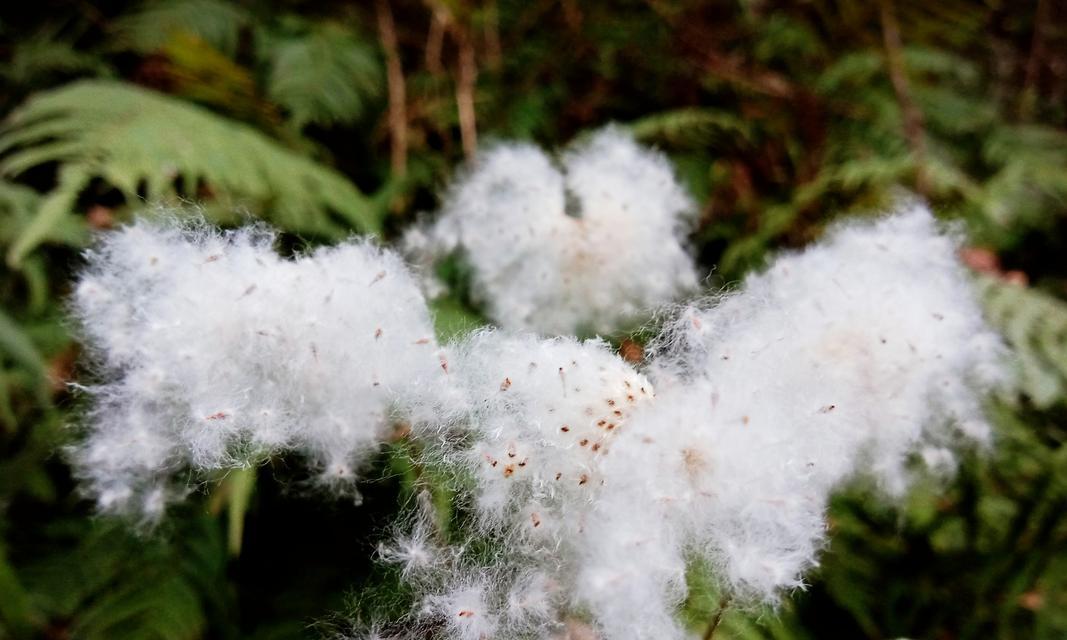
x=860 y=356
x=865 y=355
x=215 y=352
x=530 y=421
x=585 y=245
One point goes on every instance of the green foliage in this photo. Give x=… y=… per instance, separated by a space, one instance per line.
x=150 y=146
x=780 y=117
x=110 y=584
x=155 y=23
x=1035 y=325
x=324 y=76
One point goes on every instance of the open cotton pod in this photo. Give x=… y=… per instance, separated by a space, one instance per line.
x=587 y=243
x=214 y=352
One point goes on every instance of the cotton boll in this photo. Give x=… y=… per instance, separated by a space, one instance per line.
x=216 y=352
x=586 y=246
x=877 y=326
x=543 y=414
x=860 y=356
x=532 y=421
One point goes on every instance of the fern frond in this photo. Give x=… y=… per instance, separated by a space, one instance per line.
x=1035 y=324
x=115 y=585
x=45 y=56
x=149 y=145
x=691 y=128
x=155 y=23
x=325 y=77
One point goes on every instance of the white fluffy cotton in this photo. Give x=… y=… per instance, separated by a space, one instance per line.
x=864 y=356
x=529 y=421
x=215 y=352
x=585 y=245
x=543 y=414
x=858 y=357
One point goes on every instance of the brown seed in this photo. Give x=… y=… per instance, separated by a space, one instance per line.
x=218 y=416
x=744 y=419
x=377 y=333
x=466 y=613
x=583 y=441
x=509 y=470
x=536 y=519
x=506 y=384
x=583 y=479
x=565 y=429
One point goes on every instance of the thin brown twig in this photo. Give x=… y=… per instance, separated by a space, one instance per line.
x=914 y=128
x=709 y=633
x=435 y=41
x=1036 y=57
x=466 y=78
x=494 y=55
x=398 y=125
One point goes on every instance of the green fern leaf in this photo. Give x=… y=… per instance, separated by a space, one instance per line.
x=156 y=23
x=691 y=128
x=1035 y=324
x=325 y=77
x=114 y=584
x=151 y=146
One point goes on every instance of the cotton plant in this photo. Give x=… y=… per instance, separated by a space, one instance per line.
x=588 y=486
x=213 y=352
x=590 y=242
x=526 y=421
x=865 y=355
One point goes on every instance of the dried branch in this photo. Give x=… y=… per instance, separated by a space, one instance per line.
x=914 y=129
x=398 y=128
x=435 y=40
x=466 y=77
x=716 y=620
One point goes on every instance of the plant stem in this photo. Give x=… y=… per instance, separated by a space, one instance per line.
x=709 y=633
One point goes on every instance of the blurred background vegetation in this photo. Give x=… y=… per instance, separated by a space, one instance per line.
x=329 y=118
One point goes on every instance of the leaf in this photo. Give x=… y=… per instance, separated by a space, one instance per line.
x=240 y=484
x=146 y=144
x=694 y=127
x=113 y=584
x=53 y=209
x=20 y=347
x=155 y=23
x=1035 y=324
x=325 y=77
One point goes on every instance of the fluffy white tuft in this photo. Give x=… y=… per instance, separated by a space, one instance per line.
x=587 y=245
x=865 y=355
x=216 y=352
x=860 y=356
